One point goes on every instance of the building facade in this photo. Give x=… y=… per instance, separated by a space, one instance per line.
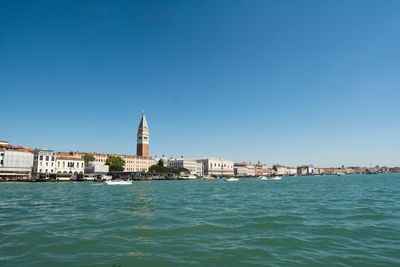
x=216 y=166
x=15 y=163
x=69 y=164
x=133 y=163
x=244 y=169
x=195 y=168
x=306 y=170
x=44 y=161
x=96 y=167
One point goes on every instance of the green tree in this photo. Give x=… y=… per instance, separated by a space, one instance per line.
x=116 y=163
x=160 y=163
x=160 y=169
x=87 y=158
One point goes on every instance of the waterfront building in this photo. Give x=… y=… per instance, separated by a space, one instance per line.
x=15 y=163
x=306 y=170
x=142 y=146
x=44 y=161
x=244 y=169
x=97 y=167
x=70 y=164
x=291 y=171
x=258 y=168
x=216 y=166
x=240 y=170
x=280 y=170
x=133 y=163
x=195 y=168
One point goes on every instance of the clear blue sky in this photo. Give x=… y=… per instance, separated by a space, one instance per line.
x=290 y=82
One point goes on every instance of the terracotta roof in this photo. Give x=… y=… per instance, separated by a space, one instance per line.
x=68 y=157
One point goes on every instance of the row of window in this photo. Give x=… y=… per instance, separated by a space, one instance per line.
x=219 y=165
x=47 y=170
x=71 y=164
x=47 y=158
x=47 y=164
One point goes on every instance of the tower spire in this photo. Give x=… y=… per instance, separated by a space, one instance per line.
x=142 y=148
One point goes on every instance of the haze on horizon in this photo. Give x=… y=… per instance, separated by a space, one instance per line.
x=289 y=82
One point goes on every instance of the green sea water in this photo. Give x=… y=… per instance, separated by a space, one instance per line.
x=351 y=220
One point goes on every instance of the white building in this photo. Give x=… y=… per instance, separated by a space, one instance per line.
x=244 y=169
x=216 y=166
x=15 y=163
x=44 y=161
x=96 y=167
x=291 y=171
x=195 y=168
x=240 y=170
x=70 y=164
x=306 y=170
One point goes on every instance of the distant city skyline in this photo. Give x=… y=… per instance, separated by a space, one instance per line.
x=285 y=82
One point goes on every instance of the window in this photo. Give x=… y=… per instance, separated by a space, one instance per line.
x=40 y=170
x=51 y=170
x=47 y=164
x=63 y=164
x=40 y=163
x=58 y=164
x=41 y=157
x=52 y=158
x=47 y=158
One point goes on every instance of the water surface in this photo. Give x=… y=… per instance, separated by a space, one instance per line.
x=352 y=220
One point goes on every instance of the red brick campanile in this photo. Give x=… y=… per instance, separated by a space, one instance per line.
x=142 y=148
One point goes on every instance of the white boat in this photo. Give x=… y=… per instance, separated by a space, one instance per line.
x=276 y=178
x=188 y=177
x=118 y=182
x=340 y=174
x=263 y=178
x=232 y=179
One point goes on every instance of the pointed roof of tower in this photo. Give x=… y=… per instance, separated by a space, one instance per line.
x=143 y=122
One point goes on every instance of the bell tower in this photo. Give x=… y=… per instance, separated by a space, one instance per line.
x=142 y=148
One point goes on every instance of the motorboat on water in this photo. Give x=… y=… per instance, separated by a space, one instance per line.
x=232 y=179
x=276 y=178
x=118 y=182
x=340 y=174
x=263 y=177
x=188 y=177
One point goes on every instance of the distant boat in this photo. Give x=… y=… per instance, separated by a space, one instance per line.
x=188 y=177
x=276 y=178
x=232 y=179
x=118 y=182
x=340 y=174
x=263 y=177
